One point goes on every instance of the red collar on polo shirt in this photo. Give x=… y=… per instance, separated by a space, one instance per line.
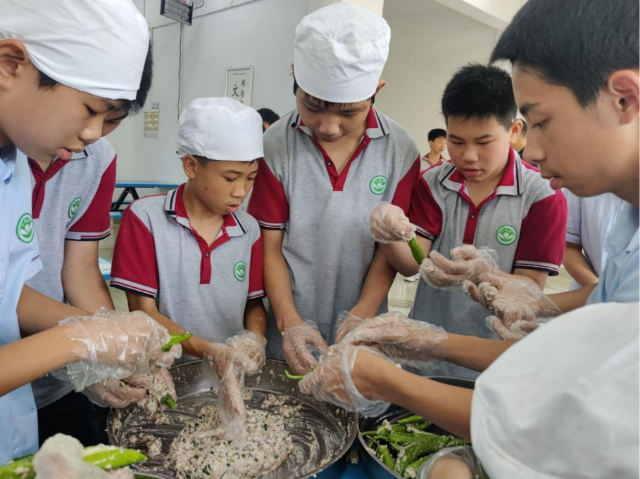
x=374 y=129
x=231 y=227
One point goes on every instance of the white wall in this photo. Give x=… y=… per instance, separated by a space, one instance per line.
x=429 y=42
x=259 y=33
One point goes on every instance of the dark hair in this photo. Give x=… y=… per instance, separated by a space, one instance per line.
x=204 y=161
x=576 y=44
x=131 y=106
x=326 y=104
x=480 y=92
x=437 y=133
x=524 y=127
x=268 y=115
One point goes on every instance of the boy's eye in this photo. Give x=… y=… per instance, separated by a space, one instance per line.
x=484 y=143
x=251 y=179
x=540 y=124
x=230 y=180
x=455 y=142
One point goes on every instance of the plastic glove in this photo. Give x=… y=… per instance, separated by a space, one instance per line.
x=253 y=345
x=138 y=388
x=452 y=463
x=388 y=223
x=512 y=300
x=298 y=342
x=401 y=338
x=516 y=331
x=331 y=381
x=467 y=264
x=61 y=458
x=116 y=345
x=347 y=322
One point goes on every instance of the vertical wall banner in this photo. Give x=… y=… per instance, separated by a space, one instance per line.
x=239 y=84
x=152 y=121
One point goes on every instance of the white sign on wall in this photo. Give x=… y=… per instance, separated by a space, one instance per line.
x=240 y=84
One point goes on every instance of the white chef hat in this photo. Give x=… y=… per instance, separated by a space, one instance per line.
x=95 y=46
x=220 y=129
x=339 y=53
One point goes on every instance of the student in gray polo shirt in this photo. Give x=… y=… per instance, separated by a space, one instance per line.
x=326 y=164
x=190 y=258
x=487 y=198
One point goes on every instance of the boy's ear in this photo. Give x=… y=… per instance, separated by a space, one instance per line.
x=13 y=55
x=381 y=85
x=190 y=166
x=624 y=87
x=515 y=130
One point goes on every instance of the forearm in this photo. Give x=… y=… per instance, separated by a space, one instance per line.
x=277 y=282
x=447 y=406
x=255 y=317
x=28 y=359
x=473 y=352
x=37 y=312
x=376 y=286
x=399 y=256
x=572 y=299
x=85 y=288
x=577 y=265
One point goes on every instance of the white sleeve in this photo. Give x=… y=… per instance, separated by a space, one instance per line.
x=574 y=207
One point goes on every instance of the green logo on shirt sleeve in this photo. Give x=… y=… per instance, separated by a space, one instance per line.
x=378 y=184
x=506 y=235
x=240 y=271
x=73 y=207
x=24 y=229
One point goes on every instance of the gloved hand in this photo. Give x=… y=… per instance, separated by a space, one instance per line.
x=467 y=264
x=451 y=462
x=399 y=337
x=516 y=331
x=347 y=322
x=388 y=223
x=229 y=366
x=120 y=393
x=297 y=344
x=331 y=380
x=116 y=345
x=253 y=345
x=512 y=300
x=61 y=457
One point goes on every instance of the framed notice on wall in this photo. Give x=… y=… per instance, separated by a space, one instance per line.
x=240 y=84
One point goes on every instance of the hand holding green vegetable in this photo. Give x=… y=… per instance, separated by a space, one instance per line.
x=388 y=223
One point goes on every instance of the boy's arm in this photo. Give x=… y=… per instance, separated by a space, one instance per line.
x=255 y=317
x=376 y=286
x=577 y=265
x=538 y=277
x=37 y=312
x=82 y=280
x=399 y=255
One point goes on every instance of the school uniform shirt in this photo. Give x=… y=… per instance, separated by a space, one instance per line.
x=563 y=402
x=425 y=164
x=589 y=223
x=71 y=201
x=619 y=282
x=327 y=243
x=523 y=220
x=202 y=288
x=19 y=261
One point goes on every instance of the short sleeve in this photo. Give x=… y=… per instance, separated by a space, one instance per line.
x=404 y=190
x=95 y=223
x=424 y=212
x=134 y=266
x=542 y=235
x=574 y=209
x=256 y=280
x=268 y=204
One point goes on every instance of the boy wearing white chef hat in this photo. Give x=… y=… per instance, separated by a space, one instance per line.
x=67 y=68
x=325 y=164
x=191 y=259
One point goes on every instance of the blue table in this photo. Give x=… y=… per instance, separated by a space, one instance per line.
x=130 y=188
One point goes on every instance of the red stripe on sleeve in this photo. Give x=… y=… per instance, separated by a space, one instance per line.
x=256 y=279
x=268 y=202
x=542 y=234
x=134 y=256
x=424 y=211
x=404 y=190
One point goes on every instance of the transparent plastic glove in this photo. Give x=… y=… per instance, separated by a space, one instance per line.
x=61 y=457
x=511 y=300
x=253 y=345
x=229 y=366
x=467 y=264
x=388 y=223
x=401 y=338
x=347 y=322
x=298 y=344
x=331 y=381
x=516 y=331
x=452 y=463
x=116 y=345
x=120 y=393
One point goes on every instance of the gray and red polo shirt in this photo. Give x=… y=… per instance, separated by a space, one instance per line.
x=327 y=243
x=70 y=201
x=524 y=220
x=203 y=288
